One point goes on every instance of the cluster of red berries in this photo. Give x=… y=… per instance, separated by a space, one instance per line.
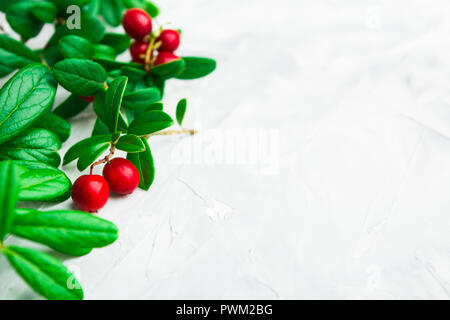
x=138 y=25
x=91 y=192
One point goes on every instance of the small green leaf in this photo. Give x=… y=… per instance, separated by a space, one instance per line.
x=44 y=11
x=150 y=122
x=22 y=20
x=157 y=106
x=34 y=145
x=103 y=51
x=169 y=70
x=76 y=47
x=130 y=143
x=181 y=111
x=23 y=99
x=112 y=12
x=120 y=42
x=78 y=149
x=100 y=128
x=92 y=8
x=91 y=155
x=110 y=64
x=14 y=55
x=152 y=9
x=9 y=190
x=71 y=107
x=43 y=185
x=44 y=273
x=51 y=55
x=80 y=76
x=55 y=124
x=63 y=230
x=197 y=68
x=143 y=161
x=108 y=109
x=140 y=100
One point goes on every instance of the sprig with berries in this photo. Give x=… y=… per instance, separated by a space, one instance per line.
x=127 y=97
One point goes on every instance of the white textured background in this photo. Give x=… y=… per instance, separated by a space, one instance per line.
x=322 y=169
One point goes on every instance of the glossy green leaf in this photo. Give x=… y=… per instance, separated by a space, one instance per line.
x=22 y=20
x=92 y=8
x=43 y=185
x=110 y=64
x=104 y=51
x=51 y=55
x=120 y=42
x=9 y=191
x=143 y=161
x=112 y=11
x=55 y=124
x=148 y=6
x=197 y=68
x=14 y=55
x=169 y=70
x=71 y=107
x=151 y=8
x=44 y=11
x=108 y=109
x=92 y=29
x=157 y=106
x=44 y=273
x=140 y=100
x=181 y=111
x=4 y=4
x=82 y=77
x=130 y=143
x=76 y=47
x=100 y=128
x=81 y=147
x=91 y=155
x=150 y=122
x=23 y=99
x=34 y=145
x=63 y=230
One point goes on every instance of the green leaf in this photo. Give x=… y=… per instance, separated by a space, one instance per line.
x=149 y=122
x=76 y=47
x=100 y=128
x=34 y=165
x=112 y=12
x=63 y=230
x=34 y=145
x=51 y=55
x=23 y=99
x=82 y=77
x=92 y=8
x=120 y=42
x=109 y=64
x=71 y=107
x=104 y=51
x=181 y=111
x=148 y=6
x=4 y=4
x=169 y=70
x=197 y=68
x=55 y=124
x=14 y=55
x=43 y=185
x=9 y=190
x=91 y=29
x=130 y=143
x=22 y=20
x=152 y=9
x=44 y=11
x=108 y=111
x=44 y=273
x=78 y=149
x=90 y=156
x=143 y=161
x=158 y=106
x=141 y=99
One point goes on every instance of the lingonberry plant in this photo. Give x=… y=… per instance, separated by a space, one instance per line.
x=80 y=56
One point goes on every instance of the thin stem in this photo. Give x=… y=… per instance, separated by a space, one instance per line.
x=173 y=132
x=105 y=159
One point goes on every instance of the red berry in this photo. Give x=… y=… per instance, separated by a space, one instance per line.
x=88 y=99
x=137 y=23
x=165 y=57
x=90 y=193
x=138 y=49
x=122 y=176
x=170 y=40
